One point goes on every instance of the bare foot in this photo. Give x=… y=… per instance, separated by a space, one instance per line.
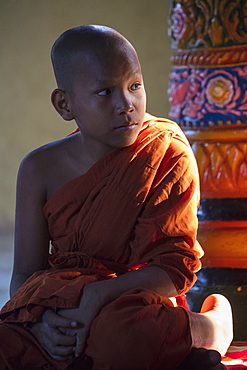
x=217 y=309
x=212 y=327
x=211 y=332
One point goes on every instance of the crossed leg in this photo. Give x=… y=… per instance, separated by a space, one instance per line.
x=211 y=329
x=142 y=330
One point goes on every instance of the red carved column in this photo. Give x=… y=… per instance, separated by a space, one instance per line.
x=208 y=99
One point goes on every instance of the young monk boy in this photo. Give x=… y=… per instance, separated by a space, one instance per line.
x=118 y=201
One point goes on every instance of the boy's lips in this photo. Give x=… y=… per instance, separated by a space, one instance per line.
x=126 y=126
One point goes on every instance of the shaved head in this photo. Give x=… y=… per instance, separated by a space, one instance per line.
x=86 y=41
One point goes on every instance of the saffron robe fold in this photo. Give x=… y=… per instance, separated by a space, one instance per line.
x=135 y=207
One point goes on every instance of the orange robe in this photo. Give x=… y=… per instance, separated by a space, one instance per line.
x=135 y=207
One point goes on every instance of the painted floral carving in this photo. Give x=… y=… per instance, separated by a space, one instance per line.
x=197 y=95
x=210 y=23
x=219 y=91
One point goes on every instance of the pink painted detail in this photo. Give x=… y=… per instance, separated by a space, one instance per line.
x=242 y=71
x=178 y=22
x=178 y=96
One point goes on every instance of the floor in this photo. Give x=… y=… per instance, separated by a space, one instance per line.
x=6 y=259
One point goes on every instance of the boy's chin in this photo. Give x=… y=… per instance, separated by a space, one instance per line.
x=126 y=143
x=128 y=140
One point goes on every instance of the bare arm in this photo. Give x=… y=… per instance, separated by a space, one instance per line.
x=32 y=249
x=31 y=234
x=151 y=277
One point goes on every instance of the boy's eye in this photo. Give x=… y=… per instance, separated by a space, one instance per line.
x=104 y=92
x=135 y=86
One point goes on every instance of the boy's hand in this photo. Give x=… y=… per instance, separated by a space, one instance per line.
x=92 y=301
x=87 y=314
x=80 y=333
x=59 y=346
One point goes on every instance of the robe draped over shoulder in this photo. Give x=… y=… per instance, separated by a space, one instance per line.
x=136 y=206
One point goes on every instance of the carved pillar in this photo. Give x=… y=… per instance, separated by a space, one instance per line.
x=208 y=98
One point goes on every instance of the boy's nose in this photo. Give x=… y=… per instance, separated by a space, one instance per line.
x=125 y=104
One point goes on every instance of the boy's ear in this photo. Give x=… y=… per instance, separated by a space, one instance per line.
x=60 y=101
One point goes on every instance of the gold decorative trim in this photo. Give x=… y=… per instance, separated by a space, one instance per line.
x=210 y=58
x=217 y=134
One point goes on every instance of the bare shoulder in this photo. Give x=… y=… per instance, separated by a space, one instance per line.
x=46 y=154
x=50 y=166
x=43 y=159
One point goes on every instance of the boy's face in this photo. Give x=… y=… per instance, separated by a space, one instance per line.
x=108 y=99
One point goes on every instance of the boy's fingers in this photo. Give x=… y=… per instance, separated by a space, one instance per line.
x=54 y=320
x=61 y=353
x=60 y=339
x=81 y=339
x=59 y=346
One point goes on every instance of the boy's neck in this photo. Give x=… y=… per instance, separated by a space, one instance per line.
x=90 y=150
